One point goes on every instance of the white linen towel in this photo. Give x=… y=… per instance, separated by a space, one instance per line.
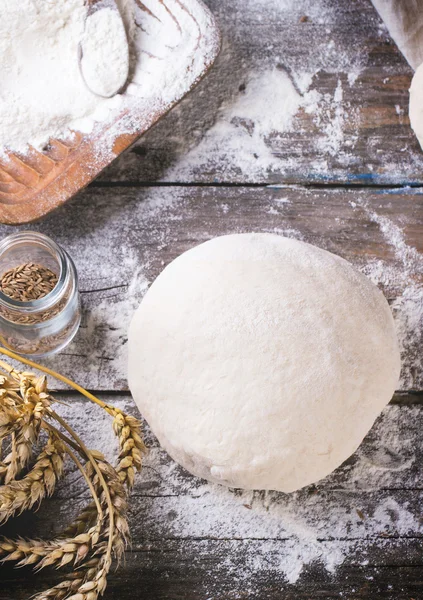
x=404 y=20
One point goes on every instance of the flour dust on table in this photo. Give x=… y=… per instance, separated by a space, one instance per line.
x=274 y=97
x=408 y=306
x=327 y=525
x=248 y=127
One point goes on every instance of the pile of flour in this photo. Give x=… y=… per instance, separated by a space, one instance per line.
x=104 y=52
x=42 y=92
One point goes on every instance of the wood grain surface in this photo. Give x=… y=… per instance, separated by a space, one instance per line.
x=340 y=39
x=183 y=548
x=122 y=237
x=181 y=185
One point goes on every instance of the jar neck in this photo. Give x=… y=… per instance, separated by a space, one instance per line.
x=27 y=246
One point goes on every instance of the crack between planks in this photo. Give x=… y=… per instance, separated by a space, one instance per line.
x=105 y=289
x=83 y=495
x=272 y=185
x=402 y=398
x=275 y=539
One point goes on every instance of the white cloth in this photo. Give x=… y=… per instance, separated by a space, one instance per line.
x=404 y=20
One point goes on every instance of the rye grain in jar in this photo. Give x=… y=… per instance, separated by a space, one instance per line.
x=39 y=299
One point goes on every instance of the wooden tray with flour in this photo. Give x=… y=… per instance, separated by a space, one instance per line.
x=34 y=184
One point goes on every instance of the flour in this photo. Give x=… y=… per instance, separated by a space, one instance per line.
x=249 y=129
x=105 y=55
x=41 y=89
x=244 y=127
x=408 y=305
x=269 y=107
x=278 y=535
x=42 y=93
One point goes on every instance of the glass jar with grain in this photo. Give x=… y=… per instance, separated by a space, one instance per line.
x=39 y=298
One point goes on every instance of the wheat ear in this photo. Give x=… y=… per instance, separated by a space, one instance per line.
x=102 y=529
x=24 y=494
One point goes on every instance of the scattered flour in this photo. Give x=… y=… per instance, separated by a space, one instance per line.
x=332 y=117
x=408 y=314
x=408 y=305
x=248 y=129
x=243 y=127
x=264 y=124
x=102 y=337
x=272 y=95
x=343 y=518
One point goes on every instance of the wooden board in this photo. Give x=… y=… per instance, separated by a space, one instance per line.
x=196 y=540
x=122 y=237
x=34 y=184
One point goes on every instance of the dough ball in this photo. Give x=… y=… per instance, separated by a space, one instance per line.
x=416 y=104
x=261 y=362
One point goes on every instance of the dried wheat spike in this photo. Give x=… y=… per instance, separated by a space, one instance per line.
x=21 y=415
x=90 y=580
x=40 y=554
x=101 y=530
x=128 y=431
x=20 y=495
x=84 y=521
x=21 y=551
x=87 y=583
x=74 y=581
x=75 y=548
x=10 y=411
x=119 y=502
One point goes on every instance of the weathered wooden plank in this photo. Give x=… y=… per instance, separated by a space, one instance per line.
x=200 y=571
x=121 y=238
x=299 y=520
x=376 y=493
x=359 y=532
x=351 y=124
x=390 y=458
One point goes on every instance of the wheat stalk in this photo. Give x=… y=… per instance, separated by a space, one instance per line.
x=21 y=416
x=127 y=429
x=94 y=581
x=90 y=590
x=87 y=583
x=101 y=530
x=74 y=549
x=76 y=542
x=24 y=494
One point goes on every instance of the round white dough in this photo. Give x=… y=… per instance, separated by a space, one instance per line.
x=261 y=362
x=416 y=104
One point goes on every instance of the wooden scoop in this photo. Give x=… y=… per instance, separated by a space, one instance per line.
x=103 y=50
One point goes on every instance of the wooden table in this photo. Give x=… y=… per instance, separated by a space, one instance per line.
x=346 y=174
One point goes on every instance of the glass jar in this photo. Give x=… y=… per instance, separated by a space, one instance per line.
x=40 y=327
